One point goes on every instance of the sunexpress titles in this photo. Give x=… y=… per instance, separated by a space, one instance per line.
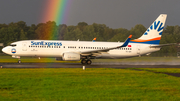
x=46 y=43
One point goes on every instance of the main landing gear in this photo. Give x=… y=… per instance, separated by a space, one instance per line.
x=88 y=61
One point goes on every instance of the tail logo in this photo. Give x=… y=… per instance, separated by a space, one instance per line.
x=154 y=26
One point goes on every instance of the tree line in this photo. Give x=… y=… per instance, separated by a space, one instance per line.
x=50 y=30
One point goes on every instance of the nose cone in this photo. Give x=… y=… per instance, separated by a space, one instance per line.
x=5 y=50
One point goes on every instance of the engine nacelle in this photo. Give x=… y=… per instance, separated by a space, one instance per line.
x=69 y=56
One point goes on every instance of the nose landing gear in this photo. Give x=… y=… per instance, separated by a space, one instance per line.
x=19 y=61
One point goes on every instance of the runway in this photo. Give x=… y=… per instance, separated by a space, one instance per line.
x=93 y=65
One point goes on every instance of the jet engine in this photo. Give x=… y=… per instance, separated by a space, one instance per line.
x=69 y=56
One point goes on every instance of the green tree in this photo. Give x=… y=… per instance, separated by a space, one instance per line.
x=120 y=35
x=69 y=35
x=23 y=35
x=31 y=34
x=62 y=29
x=82 y=25
x=89 y=34
x=137 y=31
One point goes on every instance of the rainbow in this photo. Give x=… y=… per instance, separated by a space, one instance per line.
x=57 y=11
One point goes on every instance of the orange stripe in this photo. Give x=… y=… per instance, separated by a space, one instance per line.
x=140 y=40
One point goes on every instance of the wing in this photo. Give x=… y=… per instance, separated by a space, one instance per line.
x=107 y=49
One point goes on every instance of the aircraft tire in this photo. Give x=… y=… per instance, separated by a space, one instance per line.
x=83 y=61
x=88 y=62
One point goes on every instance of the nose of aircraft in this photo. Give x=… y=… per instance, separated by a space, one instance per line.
x=5 y=50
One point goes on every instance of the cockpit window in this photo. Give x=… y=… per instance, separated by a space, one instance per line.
x=13 y=45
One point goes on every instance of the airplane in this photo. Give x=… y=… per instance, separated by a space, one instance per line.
x=87 y=50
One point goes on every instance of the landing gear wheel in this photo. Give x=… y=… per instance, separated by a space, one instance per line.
x=88 y=62
x=19 y=61
x=83 y=61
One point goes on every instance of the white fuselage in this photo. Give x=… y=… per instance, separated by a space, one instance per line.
x=55 y=48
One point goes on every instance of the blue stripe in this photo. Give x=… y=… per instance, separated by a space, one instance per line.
x=148 y=42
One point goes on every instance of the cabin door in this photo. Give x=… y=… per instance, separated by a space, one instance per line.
x=24 y=46
x=138 y=50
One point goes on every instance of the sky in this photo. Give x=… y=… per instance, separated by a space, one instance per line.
x=112 y=13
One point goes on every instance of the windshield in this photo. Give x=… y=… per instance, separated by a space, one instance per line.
x=13 y=45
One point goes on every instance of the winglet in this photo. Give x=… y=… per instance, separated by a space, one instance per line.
x=94 y=39
x=127 y=41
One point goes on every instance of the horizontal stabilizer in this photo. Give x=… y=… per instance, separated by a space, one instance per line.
x=161 y=45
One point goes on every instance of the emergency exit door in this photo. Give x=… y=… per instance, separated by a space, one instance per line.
x=138 y=49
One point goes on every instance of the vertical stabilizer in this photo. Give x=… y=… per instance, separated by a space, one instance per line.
x=154 y=32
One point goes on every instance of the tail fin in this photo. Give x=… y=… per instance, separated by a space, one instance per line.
x=154 y=32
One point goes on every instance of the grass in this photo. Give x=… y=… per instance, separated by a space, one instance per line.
x=162 y=70
x=97 y=84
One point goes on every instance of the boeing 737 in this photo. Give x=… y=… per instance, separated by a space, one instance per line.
x=87 y=50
